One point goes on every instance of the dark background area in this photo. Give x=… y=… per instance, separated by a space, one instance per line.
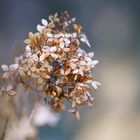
x=113 y=28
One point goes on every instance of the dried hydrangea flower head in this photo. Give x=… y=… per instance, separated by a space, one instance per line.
x=54 y=66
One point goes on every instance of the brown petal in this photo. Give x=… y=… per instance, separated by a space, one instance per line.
x=5 y=75
x=67 y=71
x=22 y=73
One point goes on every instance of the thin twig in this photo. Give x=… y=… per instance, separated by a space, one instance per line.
x=5 y=129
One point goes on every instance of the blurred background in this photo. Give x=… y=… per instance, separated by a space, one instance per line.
x=113 y=28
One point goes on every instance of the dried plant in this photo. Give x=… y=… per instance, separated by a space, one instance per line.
x=53 y=69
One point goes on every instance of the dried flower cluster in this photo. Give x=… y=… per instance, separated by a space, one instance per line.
x=54 y=66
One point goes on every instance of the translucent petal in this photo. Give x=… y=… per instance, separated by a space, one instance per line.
x=95 y=84
x=91 y=54
x=54 y=55
x=44 y=22
x=4 y=67
x=61 y=45
x=53 y=49
x=75 y=71
x=67 y=41
x=49 y=34
x=13 y=66
x=9 y=87
x=40 y=28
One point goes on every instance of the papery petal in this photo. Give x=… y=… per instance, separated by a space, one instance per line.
x=74 y=35
x=62 y=72
x=40 y=28
x=13 y=66
x=85 y=40
x=4 y=67
x=75 y=71
x=54 y=55
x=67 y=41
x=82 y=63
x=92 y=63
x=57 y=35
x=9 y=87
x=95 y=84
x=53 y=49
x=44 y=22
x=42 y=57
x=28 y=48
x=28 y=54
x=73 y=66
x=49 y=34
x=67 y=71
x=91 y=54
x=35 y=57
x=61 y=45
x=66 y=49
